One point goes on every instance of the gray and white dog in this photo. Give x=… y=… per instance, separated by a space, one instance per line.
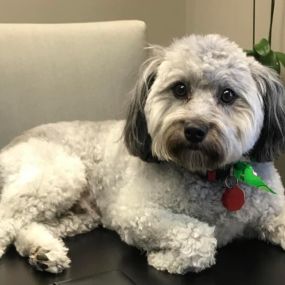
x=200 y=104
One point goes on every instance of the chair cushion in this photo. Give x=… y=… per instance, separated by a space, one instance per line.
x=55 y=72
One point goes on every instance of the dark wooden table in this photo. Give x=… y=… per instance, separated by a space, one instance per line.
x=242 y=262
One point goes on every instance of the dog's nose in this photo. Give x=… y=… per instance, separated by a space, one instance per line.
x=195 y=134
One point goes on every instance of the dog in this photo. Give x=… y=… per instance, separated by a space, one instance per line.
x=199 y=107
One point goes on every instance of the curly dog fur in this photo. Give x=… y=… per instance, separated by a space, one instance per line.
x=67 y=178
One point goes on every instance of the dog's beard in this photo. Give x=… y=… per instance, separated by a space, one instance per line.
x=198 y=158
x=171 y=145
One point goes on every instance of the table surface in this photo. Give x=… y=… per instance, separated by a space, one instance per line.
x=242 y=262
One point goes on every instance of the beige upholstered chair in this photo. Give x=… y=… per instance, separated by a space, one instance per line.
x=55 y=72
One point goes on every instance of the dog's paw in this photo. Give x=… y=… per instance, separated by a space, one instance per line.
x=195 y=256
x=177 y=263
x=52 y=261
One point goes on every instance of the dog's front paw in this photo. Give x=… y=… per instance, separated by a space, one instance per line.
x=52 y=261
x=193 y=254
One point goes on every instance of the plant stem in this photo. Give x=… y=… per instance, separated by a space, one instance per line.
x=253 y=24
x=271 y=21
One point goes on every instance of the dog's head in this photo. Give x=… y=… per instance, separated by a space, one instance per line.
x=202 y=103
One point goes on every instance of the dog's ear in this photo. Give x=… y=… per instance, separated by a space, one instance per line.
x=136 y=137
x=272 y=138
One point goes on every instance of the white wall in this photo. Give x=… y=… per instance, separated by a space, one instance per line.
x=165 y=18
x=263 y=18
x=233 y=18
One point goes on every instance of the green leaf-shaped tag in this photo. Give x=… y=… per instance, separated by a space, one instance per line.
x=244 y=173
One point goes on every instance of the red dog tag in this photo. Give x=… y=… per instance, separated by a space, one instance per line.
x=233 y=198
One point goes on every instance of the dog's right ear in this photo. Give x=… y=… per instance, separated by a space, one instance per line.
x=136 y=136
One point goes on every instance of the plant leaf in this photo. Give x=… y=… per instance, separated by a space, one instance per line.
x=270 y=60
x=262 y=48
x=281 y=57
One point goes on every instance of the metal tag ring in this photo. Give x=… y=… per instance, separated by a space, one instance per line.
x=231 y=181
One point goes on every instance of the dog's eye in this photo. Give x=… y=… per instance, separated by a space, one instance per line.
x=228 y=96
x=180 y=90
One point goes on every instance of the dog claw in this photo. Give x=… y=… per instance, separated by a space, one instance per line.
x=41 y=266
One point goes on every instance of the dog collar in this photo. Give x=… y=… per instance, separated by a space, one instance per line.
x=240 y=172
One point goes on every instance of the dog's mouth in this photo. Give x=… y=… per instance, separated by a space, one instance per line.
x=194 y=147
x=196 y=157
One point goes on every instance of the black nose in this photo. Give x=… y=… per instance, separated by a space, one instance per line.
x=195 y=134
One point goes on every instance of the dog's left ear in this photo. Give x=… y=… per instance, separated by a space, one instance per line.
x=136 y=136
x=272 y=138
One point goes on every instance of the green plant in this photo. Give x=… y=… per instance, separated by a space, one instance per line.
x=262 y=51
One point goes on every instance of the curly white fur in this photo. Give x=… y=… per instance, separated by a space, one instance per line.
x=67 y=178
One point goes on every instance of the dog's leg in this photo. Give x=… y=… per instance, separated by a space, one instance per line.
x=42 y=243
x=39 y=184
x=273 y=229
x=174 y=242
x=73 y=223
x=46 y=252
